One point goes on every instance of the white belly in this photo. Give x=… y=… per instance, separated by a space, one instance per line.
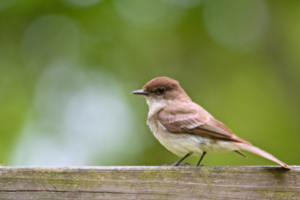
x=182 y=143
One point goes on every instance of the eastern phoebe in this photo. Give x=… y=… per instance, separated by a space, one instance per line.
x=185 y=128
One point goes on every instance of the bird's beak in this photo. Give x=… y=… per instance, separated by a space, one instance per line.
x=140 y=92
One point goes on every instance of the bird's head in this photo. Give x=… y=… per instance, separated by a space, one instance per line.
x=162 y=91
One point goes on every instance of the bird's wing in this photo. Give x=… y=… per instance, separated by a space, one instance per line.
x=193 y=119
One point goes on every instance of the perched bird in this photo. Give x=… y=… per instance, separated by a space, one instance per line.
x=185 y=128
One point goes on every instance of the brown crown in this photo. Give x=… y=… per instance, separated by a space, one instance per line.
x=164 y=82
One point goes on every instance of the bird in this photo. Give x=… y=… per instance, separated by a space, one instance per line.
x=185 y=128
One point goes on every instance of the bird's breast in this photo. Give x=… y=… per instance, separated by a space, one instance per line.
x=184 y=143
x=178 y=143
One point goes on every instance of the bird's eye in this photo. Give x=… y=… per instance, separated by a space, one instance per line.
x=160 y=90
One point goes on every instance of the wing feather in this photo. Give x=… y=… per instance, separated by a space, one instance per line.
x=193 y=119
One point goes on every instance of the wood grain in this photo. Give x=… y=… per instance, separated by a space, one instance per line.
x=149 y=183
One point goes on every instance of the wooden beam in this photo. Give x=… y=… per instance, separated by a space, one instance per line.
x=149 y=183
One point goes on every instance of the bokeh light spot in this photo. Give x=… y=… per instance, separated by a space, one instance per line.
x=185 y=3
x=149 y=14
x=49 y=38
x=237 y=24
x=82 y=3
x=77 y=117
x=6 y=4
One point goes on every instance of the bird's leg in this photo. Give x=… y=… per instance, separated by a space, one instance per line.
x=203 y=154
x=179 y=161
x=185 y=164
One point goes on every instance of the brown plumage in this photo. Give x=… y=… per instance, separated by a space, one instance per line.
x=194 y=119
x=184 y=127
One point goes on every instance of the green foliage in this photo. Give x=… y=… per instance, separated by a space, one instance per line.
x=67 y=69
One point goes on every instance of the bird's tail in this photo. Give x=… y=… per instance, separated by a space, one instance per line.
x=262 y=153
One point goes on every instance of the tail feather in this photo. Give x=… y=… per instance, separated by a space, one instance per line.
x=262 y=153
x=241 y=153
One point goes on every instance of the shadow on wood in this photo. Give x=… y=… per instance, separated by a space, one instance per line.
x=149 y=183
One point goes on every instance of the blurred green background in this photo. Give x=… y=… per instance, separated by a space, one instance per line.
x=67 y=69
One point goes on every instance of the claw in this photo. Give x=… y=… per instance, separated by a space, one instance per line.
x=182 y=165
x=178 y=165
x=165 y=165
x=185 y=164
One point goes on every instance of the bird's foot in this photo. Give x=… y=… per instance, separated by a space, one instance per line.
x=177 y=165
x=185 y=164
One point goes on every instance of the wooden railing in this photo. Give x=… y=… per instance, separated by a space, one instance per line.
x=89 y=183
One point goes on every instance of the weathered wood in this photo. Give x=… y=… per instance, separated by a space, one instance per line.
x=149 y=183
